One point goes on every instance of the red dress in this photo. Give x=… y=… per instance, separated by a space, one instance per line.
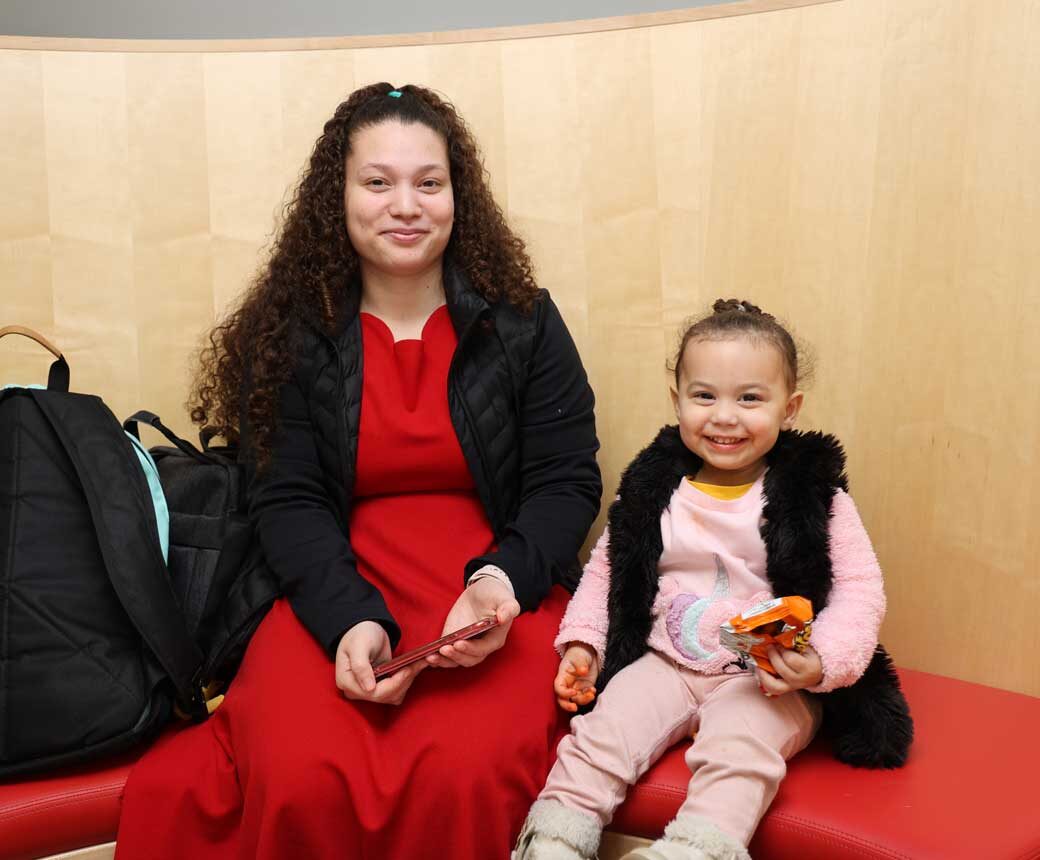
x=287 y=767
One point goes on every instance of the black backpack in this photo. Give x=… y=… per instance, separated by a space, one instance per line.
x=94 y=651
x=99 y=642
x=217 y=568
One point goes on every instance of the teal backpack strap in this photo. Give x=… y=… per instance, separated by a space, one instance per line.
x=159 y=506
x=116 y=493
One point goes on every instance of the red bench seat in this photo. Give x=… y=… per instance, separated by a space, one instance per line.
x=969 y=792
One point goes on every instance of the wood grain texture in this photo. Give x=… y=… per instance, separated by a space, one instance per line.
x=866 y=169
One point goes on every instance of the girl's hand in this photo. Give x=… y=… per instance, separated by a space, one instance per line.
x=363 y=644
x=575 y=682
x=484 y=597
x=796 y=671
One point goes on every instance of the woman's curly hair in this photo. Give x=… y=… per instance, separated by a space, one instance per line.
x=312 y=265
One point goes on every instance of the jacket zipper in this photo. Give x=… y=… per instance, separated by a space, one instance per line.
x=348 y=485
x=481 y=453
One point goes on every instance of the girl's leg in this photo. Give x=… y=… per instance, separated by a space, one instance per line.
x=739 y=757
x=646 y=709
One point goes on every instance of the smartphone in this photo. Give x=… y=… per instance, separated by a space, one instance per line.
x=409 y=657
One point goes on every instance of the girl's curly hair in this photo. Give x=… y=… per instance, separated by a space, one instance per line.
x=312 y=265
x=732 y=318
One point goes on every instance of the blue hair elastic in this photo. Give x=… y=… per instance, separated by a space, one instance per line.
x=395 y=94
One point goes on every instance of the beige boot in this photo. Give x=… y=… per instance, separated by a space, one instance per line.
x=691 y=838
x=556 y=832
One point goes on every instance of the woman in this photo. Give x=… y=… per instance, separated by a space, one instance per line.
x=422 y=443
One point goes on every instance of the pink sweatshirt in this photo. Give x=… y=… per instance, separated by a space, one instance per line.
x=712 y=567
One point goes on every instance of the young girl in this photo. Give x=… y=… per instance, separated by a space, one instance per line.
x=729 y=508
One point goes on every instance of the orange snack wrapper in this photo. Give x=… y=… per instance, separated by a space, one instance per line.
x=785 y=622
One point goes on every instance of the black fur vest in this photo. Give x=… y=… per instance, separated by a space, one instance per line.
x=869 y=722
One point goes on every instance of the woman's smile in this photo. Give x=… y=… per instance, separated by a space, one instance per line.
x=398 y=199
x=405 y=235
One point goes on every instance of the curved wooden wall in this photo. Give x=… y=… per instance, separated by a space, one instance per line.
x=866 y=169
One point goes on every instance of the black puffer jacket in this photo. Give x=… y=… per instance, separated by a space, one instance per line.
x=523 y=412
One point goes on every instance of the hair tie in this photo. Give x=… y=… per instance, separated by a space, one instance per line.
x=395 y=94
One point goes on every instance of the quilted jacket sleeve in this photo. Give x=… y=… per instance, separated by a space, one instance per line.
x=560 y=480
x=299 y=527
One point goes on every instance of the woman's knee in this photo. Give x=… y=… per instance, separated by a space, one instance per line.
x=295 y=770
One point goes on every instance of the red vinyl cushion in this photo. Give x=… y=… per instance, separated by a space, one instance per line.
x=967 y=792
x=77 y=808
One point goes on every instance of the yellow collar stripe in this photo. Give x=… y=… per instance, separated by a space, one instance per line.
x=725 y=494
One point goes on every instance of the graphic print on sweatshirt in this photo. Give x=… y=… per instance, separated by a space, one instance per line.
x=693 y=624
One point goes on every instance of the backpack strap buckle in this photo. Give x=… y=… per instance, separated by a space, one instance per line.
x=197 y=707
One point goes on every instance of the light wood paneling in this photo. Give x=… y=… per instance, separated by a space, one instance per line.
x=544 y=172
x=88 y=190
x=313 y=84
x=866 y=169
x=170 y=197
x=25 y=241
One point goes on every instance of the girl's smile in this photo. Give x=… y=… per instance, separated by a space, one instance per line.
x=733 y=401
x=725 y=443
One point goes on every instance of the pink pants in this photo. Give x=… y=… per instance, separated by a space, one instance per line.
x=737 y=760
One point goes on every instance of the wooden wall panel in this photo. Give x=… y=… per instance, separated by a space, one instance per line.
x=172 y=246
x=866 y=169
x=243 y=118
x=544 y=172
x=619 y=220
x=25 y=241
x=313 y=83
x=472 y=80
x=88 y=189
x=954 y=298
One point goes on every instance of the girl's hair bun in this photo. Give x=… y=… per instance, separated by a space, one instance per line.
x=725 y=306
x=732 y=318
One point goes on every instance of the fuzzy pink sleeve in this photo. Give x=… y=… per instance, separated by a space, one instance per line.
x=586 y=617
x=845 y=633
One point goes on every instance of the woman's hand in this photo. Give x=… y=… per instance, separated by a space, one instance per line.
x=796 y=671
x=575 y=682
x=363 y=644
x=481 y=599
